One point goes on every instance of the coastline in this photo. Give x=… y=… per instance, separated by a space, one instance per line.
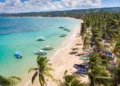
x=61 y=61
x=28 y=38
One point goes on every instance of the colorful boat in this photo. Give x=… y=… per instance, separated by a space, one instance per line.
x=47 y=48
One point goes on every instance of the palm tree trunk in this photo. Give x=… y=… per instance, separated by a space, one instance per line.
x=115 y=82
x=91 y=81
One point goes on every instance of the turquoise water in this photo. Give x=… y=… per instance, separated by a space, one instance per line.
x=19 y=34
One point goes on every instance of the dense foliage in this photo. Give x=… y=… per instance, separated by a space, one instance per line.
x=101 y=33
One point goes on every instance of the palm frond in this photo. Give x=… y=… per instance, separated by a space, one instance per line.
x=31 y=69
x=34 y=76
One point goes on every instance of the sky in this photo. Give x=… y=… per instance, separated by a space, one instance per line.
x=21 y=6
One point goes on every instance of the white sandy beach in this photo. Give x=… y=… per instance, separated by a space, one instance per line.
x=62 y=60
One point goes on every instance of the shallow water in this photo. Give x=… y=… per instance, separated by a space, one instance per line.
x=19 y=34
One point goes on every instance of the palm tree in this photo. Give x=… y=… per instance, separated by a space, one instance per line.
x=83 y=29
x=71 y=80
x=11 y=81
x=116 y=51
x=116 y=76
x=97 y=73
x=110 y=29
x=98 y=45
x=97 y=39
x=86 y=42
x=42 y=70
x=116 y=71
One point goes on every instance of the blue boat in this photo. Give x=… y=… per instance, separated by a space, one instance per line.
x=82 y=71
x=81 y=66
x=18 y=55
x=108 y=54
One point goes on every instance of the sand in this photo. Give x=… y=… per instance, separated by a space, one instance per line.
x=62 y=60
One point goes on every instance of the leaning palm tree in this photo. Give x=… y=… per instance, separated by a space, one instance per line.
x=42 y=70
x=11 y=81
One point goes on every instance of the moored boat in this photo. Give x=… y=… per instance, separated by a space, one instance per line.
x=63 y=35
x=47 y=48
x=18 y=55
x=61 y=27
x=40 y=39
x=40 y=52
x=66 y=29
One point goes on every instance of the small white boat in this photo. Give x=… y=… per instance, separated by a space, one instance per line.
x=18 y=55
x=40 y=52
x=47 y=48
x=40 y=39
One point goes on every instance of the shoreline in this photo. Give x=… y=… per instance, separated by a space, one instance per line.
x=43 y=17
x=60 y=49
x=55 y=60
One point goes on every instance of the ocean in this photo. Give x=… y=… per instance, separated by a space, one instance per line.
x=20 y=33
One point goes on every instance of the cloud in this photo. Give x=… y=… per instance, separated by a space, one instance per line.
x=16 y=6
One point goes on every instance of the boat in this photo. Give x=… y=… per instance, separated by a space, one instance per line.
x=63 y=35
x=109 y=54
x=61 y=27
x=84 y=58
x=81 y=66
x=18 y=55
x=40 y=52
x=68 y=30
x=40 y=39
x=47 y=48
x=81 y=71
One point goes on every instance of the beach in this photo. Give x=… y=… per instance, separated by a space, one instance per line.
x=62 y=60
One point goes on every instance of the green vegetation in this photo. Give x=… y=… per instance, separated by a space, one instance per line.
x=71 y=80
x=97 y=72
x=42 y=70
x=11 y=81
x=104 y=36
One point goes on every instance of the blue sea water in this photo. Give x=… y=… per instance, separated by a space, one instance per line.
x=20 y=33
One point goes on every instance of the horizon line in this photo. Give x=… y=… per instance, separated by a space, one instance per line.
x=64 y=10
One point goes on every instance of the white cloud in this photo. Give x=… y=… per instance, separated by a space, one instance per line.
x=15 y=6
